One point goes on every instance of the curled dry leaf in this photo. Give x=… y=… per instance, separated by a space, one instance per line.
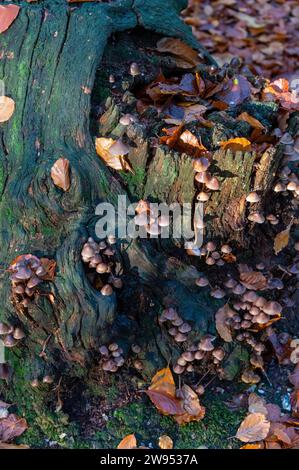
x=117 y=162
x=253 y=280
x=7 y=108
x=128 y=442
x=185 y=56
x=250 y=120
x=8 y=13
x=281 y=240
x=254 y=428
x=221 y=316
x=165 y=442
x=238 y=143
x=60 y=174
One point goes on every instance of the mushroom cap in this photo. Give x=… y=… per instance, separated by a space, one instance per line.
x=189 y=368
x=106 y=290
x=256 y=217
x=170 y=314
x=185 y=328
x=261 y=318
x=153 y=229
x=210 y=261
x=279 y=188
x=119 y=148
x=104 y=350
x=138 y=365
x=33 y=282
x=239 y=289
x=173 y=331
x=23 y=274
x=48 y=379
x=34 y=383
x=203 y=197
x=102 y=268
x=206 y=343
x=202 y=177
x=113 y=347
x=226 y=249
x=178 y=369
x=260 y=302
x=180 y=338
x=260 y=266
x=272 y=308
x=253 y=197
x=217 y=293
x=181 y=361
x=249 y=296
x=211 y=246
x=199 y=355
x=202 y=282
x=188 y=356
x=136 y=348
x=134 y=69
x=18 y=334
x=111 y=239
x=216 y=255
x=5 y=329
x=201 y=164
x=254 y=311
x=117 y=283
x=177 y=322
x=109 y=366
x=126 y=119
x=87 y=251
x=213 y=184
x=9 y=341
x=218 y=353
x=230 y=283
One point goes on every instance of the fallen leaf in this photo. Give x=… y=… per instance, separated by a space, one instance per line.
x=166 y=404
x=50 y=266
x=60 y=174
x=180 y=49
x=253 y=280
x=165 y=442
x=163 y=382
x=7 y=108
x=257 y=404
x=254 y=428
x=189 y=144
x=12 y=427
x=255 y=123
x=221 y=316
x=6 y=446
x=193 y=409
x=281 y=240
x=117 y=162
x=8 y=13
x=238 y=143
x=128 y=442
x=257 y=445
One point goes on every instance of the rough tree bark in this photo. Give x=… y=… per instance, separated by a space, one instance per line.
x=49 y=56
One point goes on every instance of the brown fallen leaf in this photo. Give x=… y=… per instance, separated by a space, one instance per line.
x=238 y=143
x=50 y=266
x=184 y=54
x=12 y=427
x=193 y=409
x=60 y=174
x=189 y=143
x=7 y=108
x=128 y=442
x=6 y=446
x=257 y=404
x=117 y=162
x=8 y=13
x=221 y=316
x=281 y=240
x=165 y=442
x=253 y=280
x=254 y=428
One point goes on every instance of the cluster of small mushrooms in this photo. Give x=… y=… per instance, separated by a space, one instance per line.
x=112 y=357
x=147 y=216
x=10 y=335
x=27 y=272
x=99 y=258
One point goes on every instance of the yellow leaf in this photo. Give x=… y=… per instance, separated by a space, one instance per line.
x=281 y=240
x=238 y=143
x=163 y=382
x=117 y=162
x=128 y=442
x=254 y=428
x=165 y=442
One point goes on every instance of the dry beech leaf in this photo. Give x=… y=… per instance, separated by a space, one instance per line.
x=165 y=442
x=60 y=174
x=223 y=330
x=12 y=427
x=253 y=280
x=180 y=49
x=128 y=442
x=281 y=240
x=7 y=108
x=50 y=267
x=189 y=143
x=257 y=404
x=254 y=428
x=251 y=120
x=193 y=409
x=8 y=14
x=117 y=162
x=238 y=143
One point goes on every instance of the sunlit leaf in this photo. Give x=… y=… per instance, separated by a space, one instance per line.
x=8 y=13
x=128 y=442
x=238 y=143
x=60 y=174
x=7 y=108
x=165 y=442
x=254 y=428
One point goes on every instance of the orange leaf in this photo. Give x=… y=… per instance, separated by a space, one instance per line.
x=165 y=442
x=128 y=442
x=60 y=174
x=281 y=240
x=8 y=14
x=255 y=427
x=238 y=143
x=117 y=162
x=163 y=382
x=166 y=404
x=257 y=445
x=50 y=267
x=180 y=49
x=7 y=108
x=189 y=144
x=251 y=120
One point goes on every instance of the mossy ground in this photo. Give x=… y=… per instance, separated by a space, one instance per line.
x=108 y=423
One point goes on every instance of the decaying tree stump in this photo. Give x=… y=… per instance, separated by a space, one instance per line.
x=49 y=59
